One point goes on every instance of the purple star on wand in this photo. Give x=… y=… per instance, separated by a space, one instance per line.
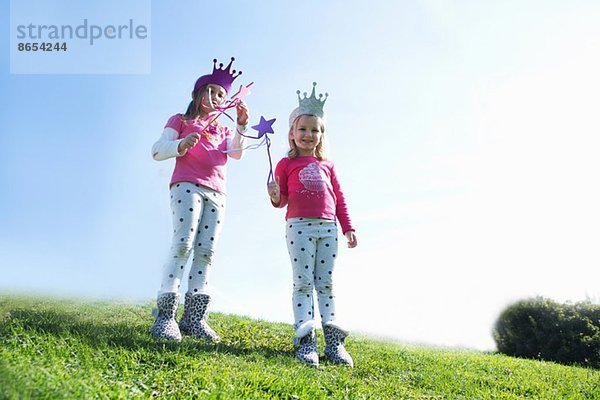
x=264 y=127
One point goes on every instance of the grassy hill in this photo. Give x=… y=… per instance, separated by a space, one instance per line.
x=52 y=348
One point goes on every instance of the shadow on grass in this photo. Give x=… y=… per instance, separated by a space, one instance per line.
x=133 y=336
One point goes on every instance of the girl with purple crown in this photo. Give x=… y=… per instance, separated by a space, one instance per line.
x=201 y=147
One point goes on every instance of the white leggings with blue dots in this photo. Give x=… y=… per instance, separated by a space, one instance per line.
x=198 y=214
x=312 y=245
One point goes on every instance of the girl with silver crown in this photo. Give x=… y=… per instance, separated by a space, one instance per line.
x=306 y=182
x=201 y=147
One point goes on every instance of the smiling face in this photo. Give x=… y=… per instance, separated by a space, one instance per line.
x=306 y=134
x=216 y=94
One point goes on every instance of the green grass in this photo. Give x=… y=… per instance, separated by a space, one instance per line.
x=51 y=348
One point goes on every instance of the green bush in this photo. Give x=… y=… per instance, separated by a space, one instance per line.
x=543 y=329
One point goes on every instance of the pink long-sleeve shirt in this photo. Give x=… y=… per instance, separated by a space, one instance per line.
x=204 y=163
x=310 y=189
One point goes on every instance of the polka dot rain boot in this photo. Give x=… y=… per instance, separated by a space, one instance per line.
x=335 y=352
x=307 y=349
x=184 y=322
x=198 y=327
x=165 y=326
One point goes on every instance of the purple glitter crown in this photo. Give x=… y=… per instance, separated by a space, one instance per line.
x=219 y=76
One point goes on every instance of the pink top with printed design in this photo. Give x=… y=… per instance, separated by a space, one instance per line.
x=204 y=163
x=310 y=188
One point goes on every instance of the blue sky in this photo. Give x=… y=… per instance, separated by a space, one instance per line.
x=465 y=134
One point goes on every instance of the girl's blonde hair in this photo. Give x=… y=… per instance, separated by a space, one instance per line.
x=320 y=151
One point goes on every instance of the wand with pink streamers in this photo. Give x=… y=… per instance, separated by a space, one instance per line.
x=235 y=99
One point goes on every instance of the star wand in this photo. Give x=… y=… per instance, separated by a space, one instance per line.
x=263 y=128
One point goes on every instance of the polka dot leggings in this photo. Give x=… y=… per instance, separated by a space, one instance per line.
x=198 y=214
x=312 y=245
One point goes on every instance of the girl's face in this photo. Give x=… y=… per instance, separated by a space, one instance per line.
x=306 y=134
x=217 y=96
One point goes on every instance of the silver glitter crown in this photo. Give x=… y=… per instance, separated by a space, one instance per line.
x=311 y=105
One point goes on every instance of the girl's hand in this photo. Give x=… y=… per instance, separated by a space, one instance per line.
x=190 y=141
x=242 y=113
x=274 y=191
x=351 y=238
